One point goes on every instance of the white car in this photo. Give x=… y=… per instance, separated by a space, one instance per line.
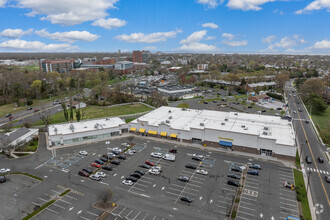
x=84 y=153
x=4 y=170
x=95 y=177
x=153 y=171
x=170 y=157
x=201 y=171
x=242 y=167
x=100 y=174
x=158 y=168
x=117 y=149
x=127 y=182
x=129 y=152
x=157 y=155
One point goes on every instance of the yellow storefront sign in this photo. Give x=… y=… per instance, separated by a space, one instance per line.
x=164 y=134
x=173 y=135
x=142 y=130
x=152 y=132
x=133 y=129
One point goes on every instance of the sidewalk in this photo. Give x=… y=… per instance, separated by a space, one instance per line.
x=191 y=145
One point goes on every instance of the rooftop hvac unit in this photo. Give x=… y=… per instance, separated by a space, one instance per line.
x=201 y=124
x=235 y=113
x=170 y=117
x=222 y=123
x=107 y=119
x=167 y=121
x=226 y=119
x=96 y=126
x=265 y=133
x=85 y=127
x=243 y=126
x=169 y=111
x=55 y=130
x=266 y=128
x=183 y=109
x=72 y=127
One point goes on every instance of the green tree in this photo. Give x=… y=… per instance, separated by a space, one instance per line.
x=17 y=91
x=72 y=83
x=318 y=105
x=71 y=113
x=78 y=115
x=65 y=111
x=36 y=86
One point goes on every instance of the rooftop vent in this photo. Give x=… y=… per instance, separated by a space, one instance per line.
x=183 y=109
x=169 y=111
x=170 y=117
x=266 y=128
x=235 y=113
x=243 y=126
x=107 y=119
x=201 y=124
x=96 y=126
x=226 y=119
x=167 y=121
x=265 y=133
x=222 y=123
x=55 y=130
x=72 y=127
x=85 y=127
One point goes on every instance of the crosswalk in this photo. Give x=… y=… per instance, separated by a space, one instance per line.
x=316 y=170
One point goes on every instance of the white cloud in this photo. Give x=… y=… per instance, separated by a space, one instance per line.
x=69 y=36
x=194 y=37
x=148 y=38
x=68 y=12
x=247 y=5
x=236 y=43
x=287 y=43
x=210 y=38
x=3 y=3
x=22 y=45
x=228 y=36
x=109 y=23
x=210 y=25
x=322 y=45
x=15 y=33
x=196 y=46
x=150 y=48
x=269 y=39
x=231 y=42
x=192 y=43
x=210 y=3
x=315 y=5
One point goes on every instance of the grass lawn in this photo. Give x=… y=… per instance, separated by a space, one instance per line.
x=116 y=80
x=302 y=194
x=241 y=96
x=32 y=67
x=183 y=105
x=101 y=112
x=322 y=122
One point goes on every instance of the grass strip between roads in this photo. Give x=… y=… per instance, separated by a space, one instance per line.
x=302 y=194
x=39 y=210
x=26 y=174
x=298 y=160
x=65 y=192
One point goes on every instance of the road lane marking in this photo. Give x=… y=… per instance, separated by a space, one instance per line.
x=163 y=187
x=115 y=174
x=38 y=166
x=70 y=208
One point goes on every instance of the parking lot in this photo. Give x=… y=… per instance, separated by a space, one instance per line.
x=158 y=196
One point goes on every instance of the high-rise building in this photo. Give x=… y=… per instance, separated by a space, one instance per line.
x=145 y=56
x=137 y=56
x=61 y=66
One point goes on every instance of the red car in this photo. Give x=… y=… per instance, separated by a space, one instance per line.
x=96 y=165
x=149 y=163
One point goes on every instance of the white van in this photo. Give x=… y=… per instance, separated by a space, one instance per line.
x=170 y=157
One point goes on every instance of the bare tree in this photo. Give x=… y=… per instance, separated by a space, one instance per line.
x=130 y=139
x=44 y=115
x=105 y=197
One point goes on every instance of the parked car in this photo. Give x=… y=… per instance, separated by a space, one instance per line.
x=122 y=157
x=104 y=159
x=169 y=157
x=136 y=175
x=83 y=173
x=116 y=152
x=306 y=121
x=156 y=154
x=232 y=183
x=253 y=172
x=255 y=166
x=140 y=172
x=82 y=152
x=88 y=170
x=263 y=110
x=186 y=199
x=99 y=161
x=96 y=165
x=234 y=176
x=214 y=101
x=131 y=178
x=205 y=102
x=190 y=166
x=149 y=163
x=320 y=159
x=236 y=169
x=153 y=171
x=197 y=157
x=173 y=150
x=101 y=174
x=127 y=182
x=308 y=159
x=4 y=170
x=145 y=166
x=279 y=108
x=183 y=178
x=300 y=110
x=289 y=185
x=327 y=178
x=201 y=171
x=129 y=152
x=94 y=177
x=30 y=108
x=8 y=115
x=107 y=167
x=36 y=110
x=3 y=179
x=115 y=162
x=249 y=106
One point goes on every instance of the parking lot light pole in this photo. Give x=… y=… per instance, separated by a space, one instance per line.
x=19 y=215
x=107 y=143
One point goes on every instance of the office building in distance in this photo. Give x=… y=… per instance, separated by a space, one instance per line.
x=61 y=66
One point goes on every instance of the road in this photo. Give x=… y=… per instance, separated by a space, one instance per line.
x=311 y=146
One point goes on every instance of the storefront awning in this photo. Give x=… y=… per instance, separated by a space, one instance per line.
x=173 y=135
x=226 y=143
x=164 y=134
x=132 y=129
x=142 y=130
x=152 y=132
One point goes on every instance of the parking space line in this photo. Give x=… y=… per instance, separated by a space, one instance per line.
x=141 y=185
x=145 y=216
x=199 y=178
x=248 y=203
x=128 y=214
x=64 y=201
x=252 y=187
x=245 y=213
x=55 y=191
x=139 y=189
x=252 y=183
x=248 y=198
x=52 y=211
x=221 y=206
x=70 y=197
x=186 y=171
x=244 y=207
x=190 y=184
x=91 y=213
x=229 y=189
x=177 y=185
x=43 y=199
x=172 y=193
x=288 y=199
x=287 y=190
x=280 y=174
x=50 y=195
x=145 y=181
x=242 y=218
x=221 y=212
x=195 y=181
x=58 y=206
x=149 y=178
x=136 y=215
x=293 y=210
x=223 y=202
x=84 y=218
x=196 y=190
x=287 y=204
x=122 y=210
x=174 y=189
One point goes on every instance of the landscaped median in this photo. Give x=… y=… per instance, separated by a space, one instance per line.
x=39 y=209
x=26 y=174
x=302 y=194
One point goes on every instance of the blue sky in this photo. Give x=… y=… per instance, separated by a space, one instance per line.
x=206 y=26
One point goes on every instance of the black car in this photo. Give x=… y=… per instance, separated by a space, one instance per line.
x=232 y=183
x=122 y=157
x=29 y=108
x=173 y=150
x=308 y=159
x=145 y=166
x=190 y=166
x=83 y=173
x=253 y=172
x=99 y=161
x=116 y=162
x=133 y=179
x=236 y=169
x=183 y=178
x=205 y=102
x=107 y=167
x=214 y=101
x=234 y=176
x=140 y=172
x=3 y=179
x=306 y=121
x=263 y=110
x=255 y=166
x=249 y=106
x=104 y=159
x=115 y=152
x=110 y=157
x=186 y=199
x=136 y=175
x=327 y=178
x=320 y=159
x=8 y=115
x=88 y=170
x=279 y=108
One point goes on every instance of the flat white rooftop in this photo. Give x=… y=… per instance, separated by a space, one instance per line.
x=85 y=126
x=272 y=127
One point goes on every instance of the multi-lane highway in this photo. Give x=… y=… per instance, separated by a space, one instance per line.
x=311 y=146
